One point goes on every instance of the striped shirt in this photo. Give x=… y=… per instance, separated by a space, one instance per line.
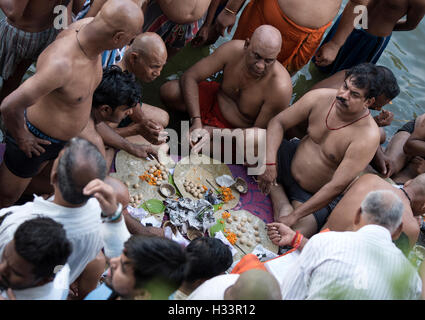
x=352 y=265
x=82 y=226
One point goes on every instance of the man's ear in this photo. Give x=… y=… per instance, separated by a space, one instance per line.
x=247 y=42
x=134 y=56
x=105 y=110
x=407 y=182
x=396 y=234
x=118 y=36
x=370 y=102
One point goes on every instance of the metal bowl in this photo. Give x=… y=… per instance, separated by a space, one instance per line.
x=167 y=190
x=240 y=185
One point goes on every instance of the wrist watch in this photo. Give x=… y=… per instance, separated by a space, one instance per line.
x=114 y=217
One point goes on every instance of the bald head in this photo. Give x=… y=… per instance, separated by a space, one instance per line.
x=267 y=37
x=149 y=44
x=117 y=23
x=146 y=56
x=254 y=285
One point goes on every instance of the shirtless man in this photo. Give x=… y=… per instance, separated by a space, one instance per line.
x=412 y=194
x=145 y=58
x=302 y=24
x=404 y=157
x=342 y=139
x=54 y=105
x=344 y=47
x=29 y=23
x=253 y=90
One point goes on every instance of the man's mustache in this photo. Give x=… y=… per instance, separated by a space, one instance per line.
x=342 y=100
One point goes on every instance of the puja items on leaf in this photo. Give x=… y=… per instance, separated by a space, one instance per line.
x=226 y=194
x=195 y=189
x=186 y=213
x=155 y=175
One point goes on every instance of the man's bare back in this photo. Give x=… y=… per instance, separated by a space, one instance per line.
x=342 y=217
x=240 y=97
x=310 y=13
x=31 y=15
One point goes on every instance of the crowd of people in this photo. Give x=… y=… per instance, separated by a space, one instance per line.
x=348 y=209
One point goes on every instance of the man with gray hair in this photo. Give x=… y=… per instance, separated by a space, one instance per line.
x=80 y=202
x=364 y=264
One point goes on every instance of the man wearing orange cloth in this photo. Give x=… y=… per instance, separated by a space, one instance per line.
x=302 y=24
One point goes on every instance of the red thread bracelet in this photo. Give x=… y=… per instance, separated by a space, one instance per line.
x=270 y=164
x=294 y=239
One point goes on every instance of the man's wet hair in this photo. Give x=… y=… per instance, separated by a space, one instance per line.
x=365 y=76
x=117 y=88
x=389 y=85
x=156 y=259
x=207 y=258
x=42 y=242
x=79 y=154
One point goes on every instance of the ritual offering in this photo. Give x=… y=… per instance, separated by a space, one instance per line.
x=243 y=230
x=195 y=178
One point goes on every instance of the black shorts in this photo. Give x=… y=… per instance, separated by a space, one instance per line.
x=22 y=166
x=293 y=190
x=408 y=127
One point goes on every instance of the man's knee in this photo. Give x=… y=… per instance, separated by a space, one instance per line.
x=170 y=91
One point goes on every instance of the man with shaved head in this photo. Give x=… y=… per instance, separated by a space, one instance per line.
x=253 y=90
x=54 y=105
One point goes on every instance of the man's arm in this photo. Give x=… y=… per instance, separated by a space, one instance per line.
x=13 y=9
x=227 y=18
x=200 y=71
x=328 y=52
x=279 y=99
x=415 y=145
x=44 y=81
x=356 y=159
x=113 y=139
x=415 y=13
x=285 y=120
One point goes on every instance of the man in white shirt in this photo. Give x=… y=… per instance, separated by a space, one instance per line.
x=80 y=198
x=364 y=264
x=31 y=259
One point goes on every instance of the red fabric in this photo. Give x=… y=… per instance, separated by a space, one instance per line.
x=210 y=111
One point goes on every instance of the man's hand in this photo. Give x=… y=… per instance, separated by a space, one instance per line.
x=267 y=179
x=197 y=136
x=225 y=20
x=202 y=36
x=384 y=165
x=143 y=151
x=10 y=294
x=280 y=234
x=418 y=164
x=30 y=144
x=289 y=220
x=384 y=118
x=152 y=131
x=327 y=54
x=104 y=193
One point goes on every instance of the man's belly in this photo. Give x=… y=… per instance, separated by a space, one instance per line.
x=231 y=113
x=309 y=168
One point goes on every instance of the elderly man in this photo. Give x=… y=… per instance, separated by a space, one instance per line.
x=412 y=194
x=80 y=198
x=364 y=264
x=29 y=24
x=301 y=23
x=31 y=259
x=344 y=47
x=253 y=90
x=54 y=105
x=341 y=141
